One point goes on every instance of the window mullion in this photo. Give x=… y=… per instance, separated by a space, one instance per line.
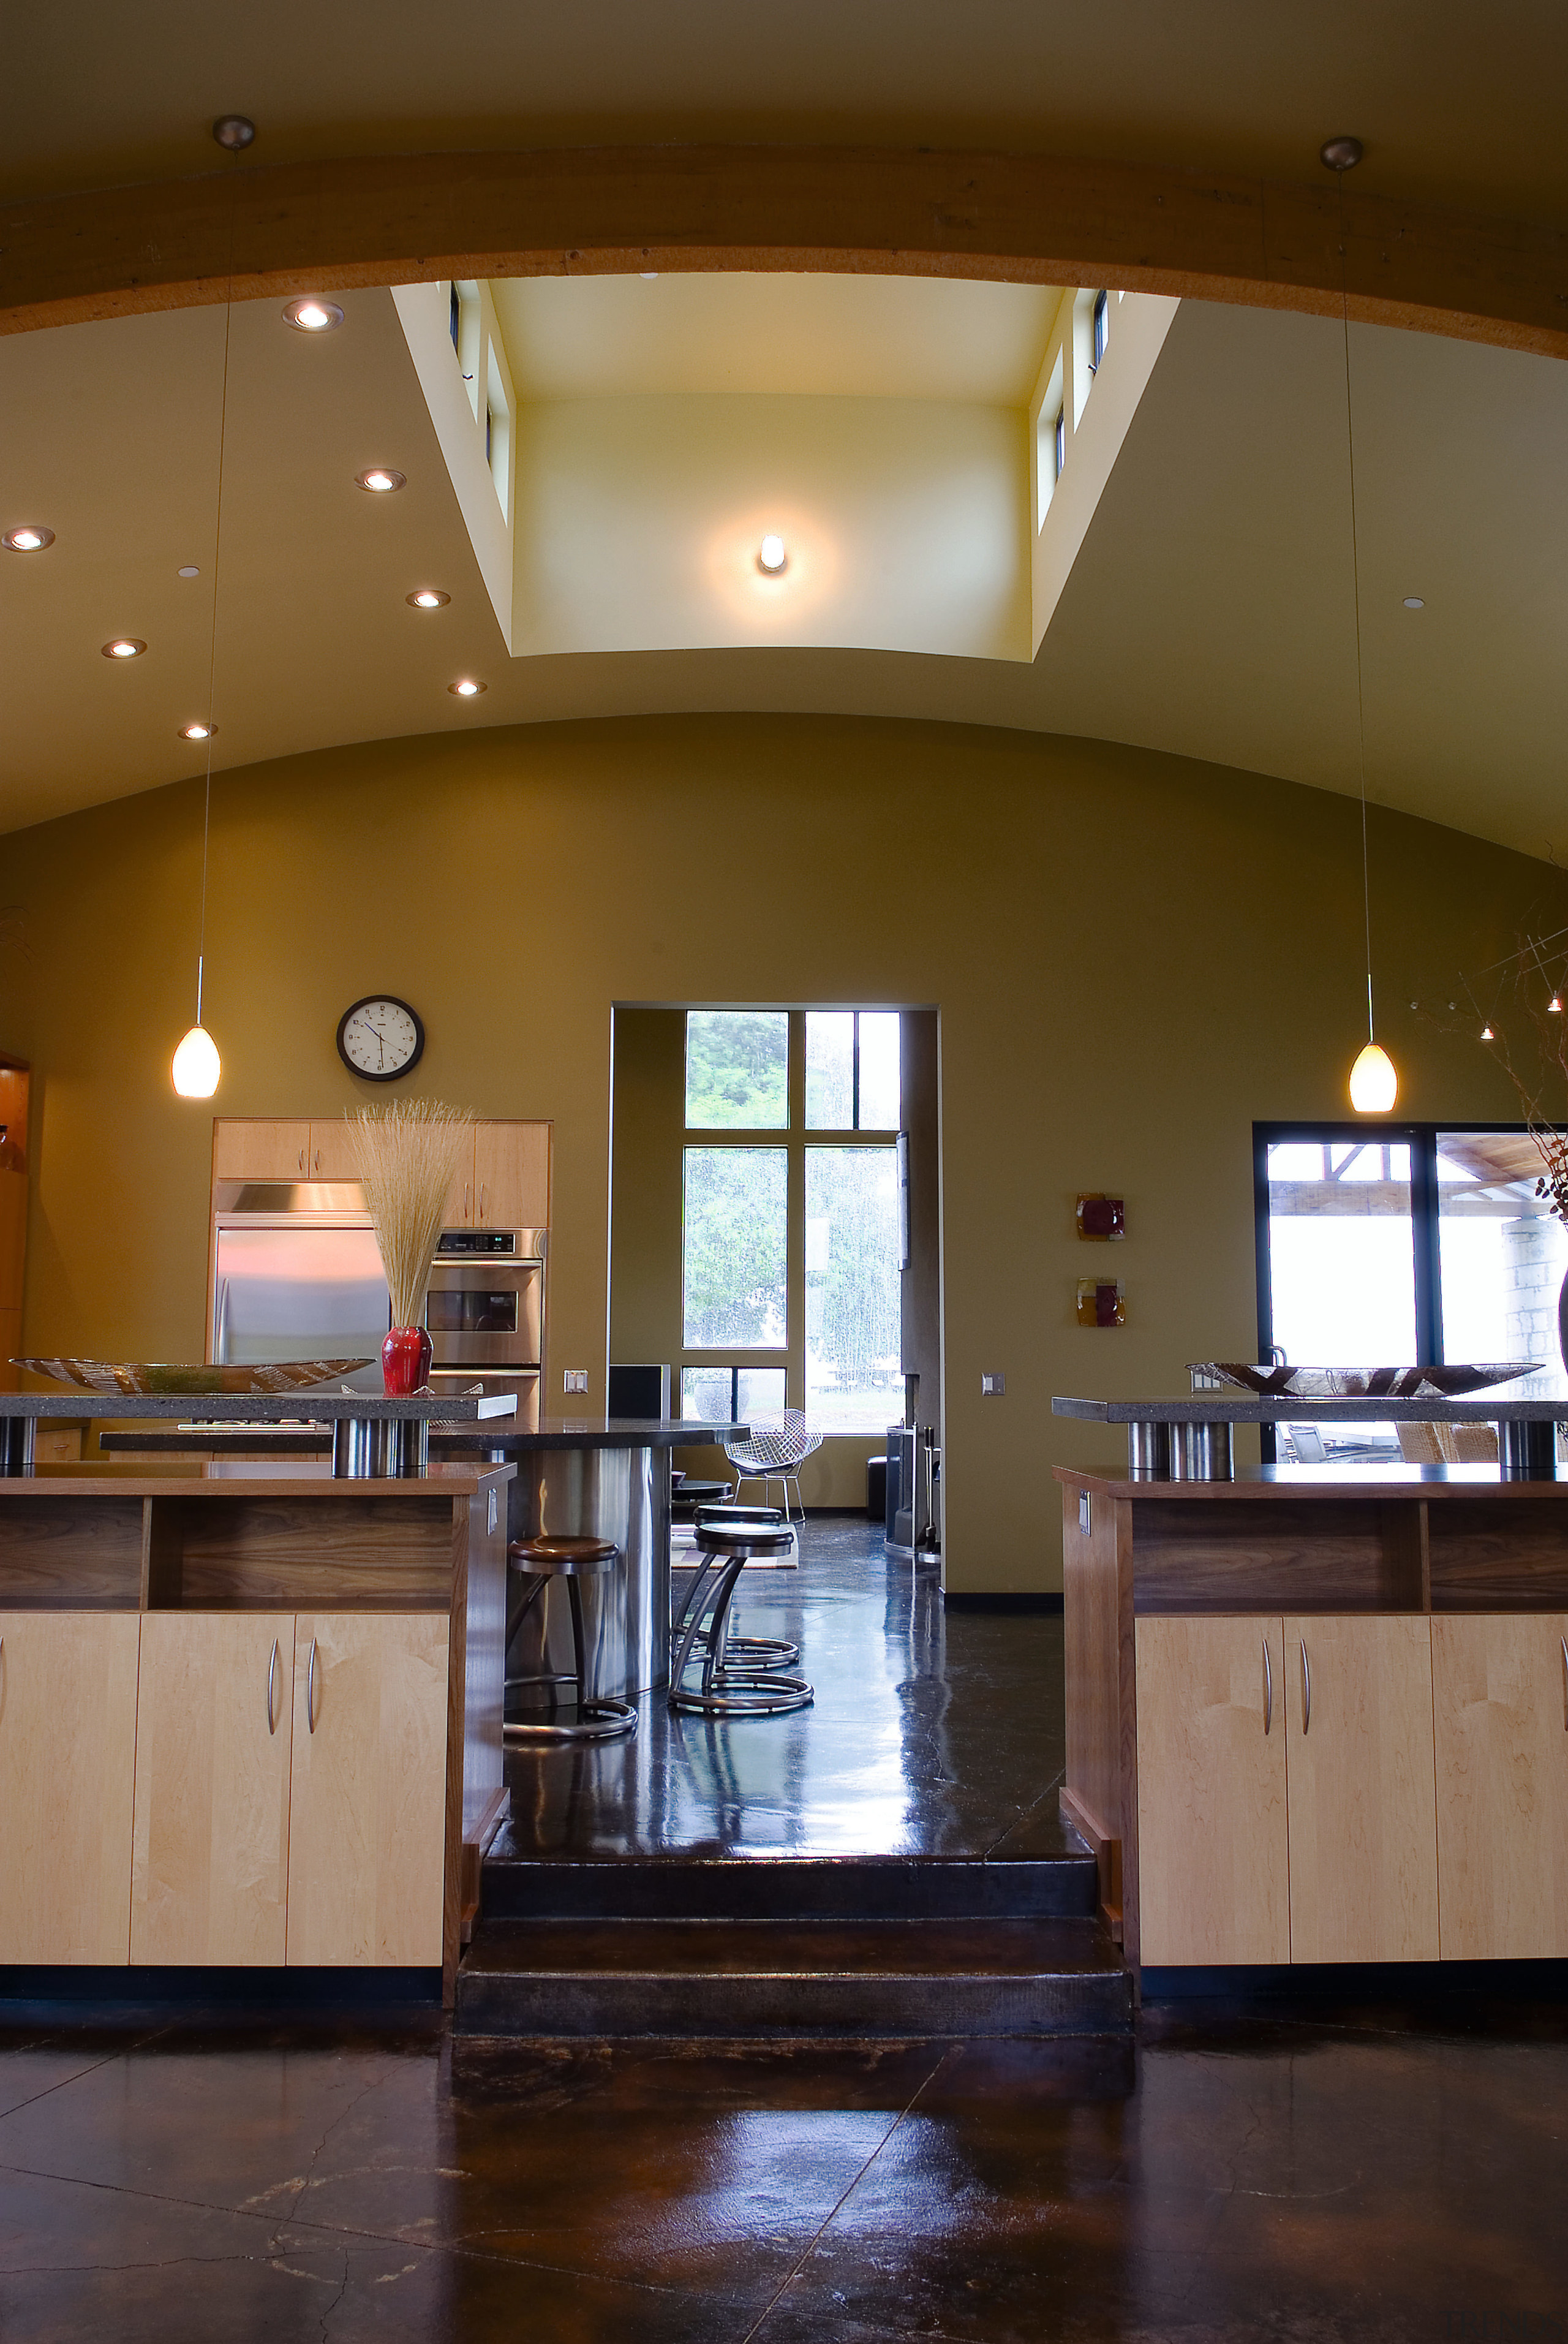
x=795 y=1255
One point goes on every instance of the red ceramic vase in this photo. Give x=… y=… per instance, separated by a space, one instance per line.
x=406 y=1358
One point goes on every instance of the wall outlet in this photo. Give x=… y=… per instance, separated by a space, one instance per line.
x=575 y=1379
x=993 y=1384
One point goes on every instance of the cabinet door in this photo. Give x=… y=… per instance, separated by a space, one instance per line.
x=462 y=1194
x=1358 y=1773
x=331 y=1156
x=512 y=1173
x=256 y=1149
x=209 y=1868
x=1499 y=1699
x=366 y=1839
x=67 y=1760
x=1212 y=1883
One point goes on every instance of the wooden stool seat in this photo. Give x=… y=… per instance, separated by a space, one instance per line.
x=553 y=1558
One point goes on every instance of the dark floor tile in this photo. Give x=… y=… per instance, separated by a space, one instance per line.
x=76 y=2263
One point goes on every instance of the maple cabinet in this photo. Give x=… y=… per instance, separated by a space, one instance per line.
x=504 y=1182
x=1319 y=1721
x=67 y=1761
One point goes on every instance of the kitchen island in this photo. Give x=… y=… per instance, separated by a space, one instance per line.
x=250 y=1714
x=587 y=1477
x=1319 y=1714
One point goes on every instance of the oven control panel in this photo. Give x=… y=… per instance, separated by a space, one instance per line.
x=472 y=1242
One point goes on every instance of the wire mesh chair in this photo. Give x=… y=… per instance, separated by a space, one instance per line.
x=774 y=1451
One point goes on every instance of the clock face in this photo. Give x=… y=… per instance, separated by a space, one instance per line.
x=380 y=1038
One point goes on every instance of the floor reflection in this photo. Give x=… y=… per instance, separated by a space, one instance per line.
x=931 y=1734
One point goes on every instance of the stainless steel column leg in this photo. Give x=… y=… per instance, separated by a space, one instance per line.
x=18 y=1444
x=1200 y=1452
x=1149 y=1452
x=354 y=1447
x=1527 y=1452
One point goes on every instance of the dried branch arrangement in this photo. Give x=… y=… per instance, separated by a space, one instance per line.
x=407 y=1155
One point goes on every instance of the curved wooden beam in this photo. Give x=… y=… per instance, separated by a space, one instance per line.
x=278 y=229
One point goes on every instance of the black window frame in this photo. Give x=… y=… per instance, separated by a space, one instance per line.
x=1098 y=330
x=1421 y=1139
x=1058 y=439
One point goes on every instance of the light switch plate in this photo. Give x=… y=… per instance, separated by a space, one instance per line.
x=575 y=1379
x=992 y=1384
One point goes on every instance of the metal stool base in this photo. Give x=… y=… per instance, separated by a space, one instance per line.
x=739 y=1692
x=598 y=1720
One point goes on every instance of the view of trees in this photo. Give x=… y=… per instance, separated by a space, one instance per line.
x=736 y=1070
x=736 y=1248
x=853 y=1287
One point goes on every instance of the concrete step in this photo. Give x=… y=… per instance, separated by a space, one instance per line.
x=750 y=1979
x=791 y=1888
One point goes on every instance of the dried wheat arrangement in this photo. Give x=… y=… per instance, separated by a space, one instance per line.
x=407 y=1155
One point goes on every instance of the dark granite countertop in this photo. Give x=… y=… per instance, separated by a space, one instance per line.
x=1250 y=1408
x=448 y=1438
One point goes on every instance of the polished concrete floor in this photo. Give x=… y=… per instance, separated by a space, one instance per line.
x=931 y=1733
x=1293 y=2183
x=1383 y=2180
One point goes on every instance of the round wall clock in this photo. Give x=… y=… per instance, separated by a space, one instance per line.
x=380 y=1038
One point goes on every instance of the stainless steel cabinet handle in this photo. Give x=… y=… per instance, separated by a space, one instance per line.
x=481 y=1202
x=318 y=1159
x=302 y=1159
x=1268 y=1690
x=465 y=1199
x=310 y=1689
x=1564 y=1680
x=1306 y=1692
x=271 y=1688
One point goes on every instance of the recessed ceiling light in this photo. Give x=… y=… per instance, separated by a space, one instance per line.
x=28 y=537
x=649 y=275
x=190 y=570
x=427 y=598
x=124 y=647
x=465 y=687
x=311 y=316
x=1414 y=603
x=381 y=480
x=771 y=556
x=234 y=131
x=197 y=731
x=1342 y=154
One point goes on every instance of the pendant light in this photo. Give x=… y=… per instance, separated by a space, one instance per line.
x=1374 y=1080
x=197 y=1067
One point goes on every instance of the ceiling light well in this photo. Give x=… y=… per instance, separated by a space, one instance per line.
x=311 y=315
x=467 y=687
x=123 y=647
x=381 y=479
x=197 y=731
x=27 y=536
x=427 y=598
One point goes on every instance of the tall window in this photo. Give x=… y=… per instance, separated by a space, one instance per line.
x=790 y=1243
x=1100 y=330
x=1389 y=1245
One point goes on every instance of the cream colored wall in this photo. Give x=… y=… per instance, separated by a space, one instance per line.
x=1133 y=957
x=637 y=522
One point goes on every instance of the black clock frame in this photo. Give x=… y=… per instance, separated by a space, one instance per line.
x=396 y=1074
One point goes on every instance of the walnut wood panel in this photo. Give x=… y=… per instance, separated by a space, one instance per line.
x=1218 y=1555
x=380 y=1553
x=1214 y=1860
x=1090 y=1626
x=1361 y=1801
x=67 y=1760
x=209 y=1870
x=259 y=1147
x=1499 y=1698
x=476 y=1754
x=1499 y=1552
x=265 y=230
x=70 y=1552
x=512 y=1175
x=368 y=1811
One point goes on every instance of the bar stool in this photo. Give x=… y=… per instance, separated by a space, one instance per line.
x=726 y=1691
x=571 y=1559
x=749 y=1651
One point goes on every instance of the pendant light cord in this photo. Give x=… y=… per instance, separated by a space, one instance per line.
x=212 y=641
x=1356 y=600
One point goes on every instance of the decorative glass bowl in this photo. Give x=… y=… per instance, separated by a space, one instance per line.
x=131 y=1376
x=1364 y=1383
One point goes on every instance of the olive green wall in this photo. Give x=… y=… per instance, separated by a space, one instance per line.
x=1133 y=957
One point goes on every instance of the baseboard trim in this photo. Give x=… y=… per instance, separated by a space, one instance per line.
x=1048 y=1606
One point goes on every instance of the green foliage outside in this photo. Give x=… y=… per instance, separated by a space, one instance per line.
x=737 y=1069
x=735 y=1247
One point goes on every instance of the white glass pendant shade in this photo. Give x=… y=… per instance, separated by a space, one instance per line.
x=196 y=1064
x=1374 y=1084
